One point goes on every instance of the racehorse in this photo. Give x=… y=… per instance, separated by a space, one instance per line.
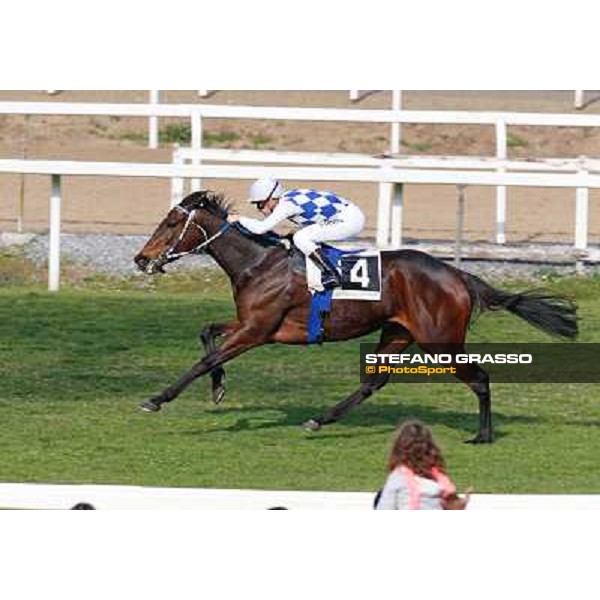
x=424 y=300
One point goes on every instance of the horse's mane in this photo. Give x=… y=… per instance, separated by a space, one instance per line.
x=213 y=202
x=219 y=205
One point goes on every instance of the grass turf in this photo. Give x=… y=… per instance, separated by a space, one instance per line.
x=75 y=365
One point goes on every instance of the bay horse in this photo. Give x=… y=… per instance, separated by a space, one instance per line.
x=424 y=300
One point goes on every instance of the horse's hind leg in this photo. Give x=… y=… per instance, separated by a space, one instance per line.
x=394 y=339
x=208 y=337
x=478 y=381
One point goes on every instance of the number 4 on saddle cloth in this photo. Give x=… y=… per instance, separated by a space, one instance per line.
x=360 y=272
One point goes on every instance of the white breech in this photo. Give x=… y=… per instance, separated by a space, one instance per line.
x=346 y=223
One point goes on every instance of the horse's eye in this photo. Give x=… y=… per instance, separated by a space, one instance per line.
x=172 y=222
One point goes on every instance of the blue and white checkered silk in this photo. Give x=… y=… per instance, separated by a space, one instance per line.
x=317 y=207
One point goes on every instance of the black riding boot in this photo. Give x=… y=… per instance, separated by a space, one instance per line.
x=330 y=276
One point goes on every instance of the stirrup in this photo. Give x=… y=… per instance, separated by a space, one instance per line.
x=329 y=281
x=330 y=277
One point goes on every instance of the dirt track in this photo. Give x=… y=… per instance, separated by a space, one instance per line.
x=134 y=206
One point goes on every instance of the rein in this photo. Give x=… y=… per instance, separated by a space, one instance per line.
x=171 y=255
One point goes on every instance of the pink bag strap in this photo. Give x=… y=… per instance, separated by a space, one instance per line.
x=448 y=488
x=414 y=495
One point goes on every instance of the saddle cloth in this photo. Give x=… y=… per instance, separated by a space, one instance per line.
x=360 y=272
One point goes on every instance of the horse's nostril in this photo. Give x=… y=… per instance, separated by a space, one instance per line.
x=141 y=262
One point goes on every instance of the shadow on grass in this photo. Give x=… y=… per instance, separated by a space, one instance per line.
x=592 y=423
x=364 y=421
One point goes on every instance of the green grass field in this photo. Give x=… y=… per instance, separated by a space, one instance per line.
x=75 y=365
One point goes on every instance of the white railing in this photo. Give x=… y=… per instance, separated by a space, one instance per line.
x=392 y=173
x=389 y=227
x=395 y=117
x=367 y=115
x=120 y=497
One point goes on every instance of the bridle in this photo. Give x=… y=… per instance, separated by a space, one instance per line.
x=170 y=255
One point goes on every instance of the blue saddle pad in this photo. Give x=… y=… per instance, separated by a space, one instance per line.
x=321 y=301
x=334 y=254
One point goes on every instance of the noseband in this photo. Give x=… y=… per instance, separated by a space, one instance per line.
x=170 y=255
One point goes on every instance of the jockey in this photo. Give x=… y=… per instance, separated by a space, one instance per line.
x=323 y=216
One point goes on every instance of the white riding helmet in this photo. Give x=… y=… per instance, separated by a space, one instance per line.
x=264 y=189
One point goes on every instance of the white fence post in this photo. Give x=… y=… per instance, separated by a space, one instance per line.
x=578 y=99
x=395 y=138
x=21 y=211
x=54 y=237
x=196 y=184
x=397 y=206
x=395 y=191
x=501 y=189
x=177 y=183
x=203 y=93
x=153 y=122
x=383 y=214
x=354 y=95
x=581 y=213
x=460 y=219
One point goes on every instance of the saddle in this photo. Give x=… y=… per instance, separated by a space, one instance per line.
x=360 y=273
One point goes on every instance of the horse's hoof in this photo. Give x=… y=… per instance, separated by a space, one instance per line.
x=149 y=406
x=218 y=395
x=312 y=425
x=480 y=439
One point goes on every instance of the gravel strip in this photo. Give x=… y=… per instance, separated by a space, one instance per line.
x=107 y=254
x=113 y=255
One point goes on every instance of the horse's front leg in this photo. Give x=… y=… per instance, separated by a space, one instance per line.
x=208 y=337
x=238 y=342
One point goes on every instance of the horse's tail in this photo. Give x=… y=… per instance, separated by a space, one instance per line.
x=551 y=313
